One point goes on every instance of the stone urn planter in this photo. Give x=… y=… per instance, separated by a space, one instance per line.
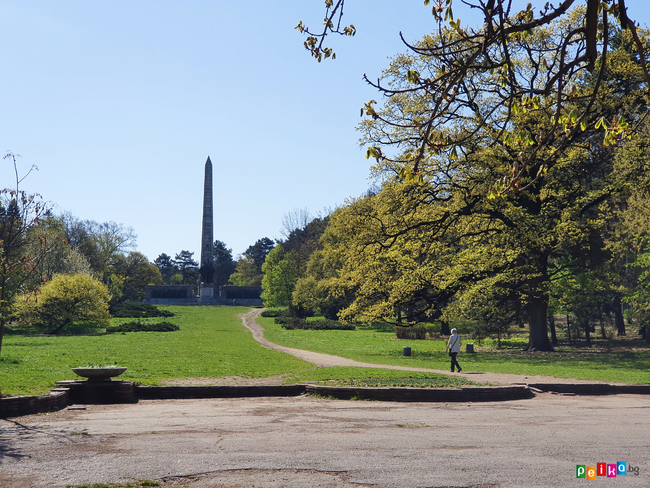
x=99 y=374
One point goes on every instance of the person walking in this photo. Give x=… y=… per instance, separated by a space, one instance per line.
x=453 y=346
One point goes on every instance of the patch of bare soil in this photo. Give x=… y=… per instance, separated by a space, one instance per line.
x=268 y=478
x=276 y=478
x=225 y=381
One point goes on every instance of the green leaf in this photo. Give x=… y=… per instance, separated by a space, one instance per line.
x=413 y=76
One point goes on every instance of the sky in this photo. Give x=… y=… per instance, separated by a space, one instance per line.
x=120 y=103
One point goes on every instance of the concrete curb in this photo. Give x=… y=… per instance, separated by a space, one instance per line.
x=77 y=392
x=592 y=388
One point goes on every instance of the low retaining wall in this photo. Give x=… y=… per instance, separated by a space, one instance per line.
x=56 y=399
x=592 y=388
x=180 y=392
x=480 y=394
x=59 y=398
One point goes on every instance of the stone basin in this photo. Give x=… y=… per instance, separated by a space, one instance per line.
x=98 y=374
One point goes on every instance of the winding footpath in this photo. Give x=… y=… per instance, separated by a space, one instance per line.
x=321 y=360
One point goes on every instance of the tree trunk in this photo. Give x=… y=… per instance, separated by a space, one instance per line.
x=551 y=323
x=520 y=318
x=586 y=327
x=537 y=311
x=568 y=328
x=444 y=329
x=619 y=321
x=2 y=332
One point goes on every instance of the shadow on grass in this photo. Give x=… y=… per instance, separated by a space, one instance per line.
x=77 y=328
x=378 y=327
x=558 y=362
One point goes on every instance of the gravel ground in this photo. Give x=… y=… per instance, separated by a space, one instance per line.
x=311 y=442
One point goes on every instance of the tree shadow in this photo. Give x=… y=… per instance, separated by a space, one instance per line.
x=75 y=329
x=13 y=433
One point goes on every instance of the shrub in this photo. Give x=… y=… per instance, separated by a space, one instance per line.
x=138 y=310
x=67 y=299
x=137 y=326
x=291 y=322
x=273 y=313
x=418 y=332
x=328 y=325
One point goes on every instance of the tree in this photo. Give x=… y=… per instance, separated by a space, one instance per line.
x=257 y=252
x=166 y=267
x=135 y=272
x=423 y=240
x=62 y=258
x=280 y=275
x=246 y=273
x=66 y=299
x=188 y=268
x=304 y=241
x=100 y=243
x=224 y=264
x=473 y=83
x=23 y=245
x=296 y=219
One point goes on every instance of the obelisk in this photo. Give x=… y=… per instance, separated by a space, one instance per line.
x=206 y=291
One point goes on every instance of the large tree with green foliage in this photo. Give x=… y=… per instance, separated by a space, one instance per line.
x=423 y=240
x=134 y=272
x=224 y=264
x=257 y=252
x=280 y=275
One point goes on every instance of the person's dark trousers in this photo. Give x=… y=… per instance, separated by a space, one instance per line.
x=453 y=355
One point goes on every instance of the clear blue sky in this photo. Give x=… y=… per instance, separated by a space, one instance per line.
x=119 y=104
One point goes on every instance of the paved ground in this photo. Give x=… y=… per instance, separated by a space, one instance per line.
x=310 y=442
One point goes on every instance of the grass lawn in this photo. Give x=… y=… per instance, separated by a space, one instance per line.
x=625 y=361
x=211 y=342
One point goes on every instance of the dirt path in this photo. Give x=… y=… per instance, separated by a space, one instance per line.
x=327 y=360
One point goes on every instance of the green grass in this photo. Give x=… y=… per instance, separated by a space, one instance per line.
x=211 y=342
x=379 y=346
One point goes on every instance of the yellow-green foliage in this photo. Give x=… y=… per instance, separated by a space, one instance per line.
x=66 y=299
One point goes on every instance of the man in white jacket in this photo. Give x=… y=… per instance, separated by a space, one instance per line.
x=453 y=346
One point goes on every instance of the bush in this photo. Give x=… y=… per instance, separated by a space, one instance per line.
x=328 y=325
x=418 y=332
x=138 y=326
x=273 y=313
x=294 y=323
x=138 y=310
x=291 y=322
x=67 y=299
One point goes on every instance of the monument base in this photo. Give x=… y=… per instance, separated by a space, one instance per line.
x=206 y=293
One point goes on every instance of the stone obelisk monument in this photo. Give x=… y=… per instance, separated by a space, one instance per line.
x=206 y=289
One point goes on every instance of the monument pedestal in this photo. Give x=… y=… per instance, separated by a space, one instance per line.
x=99 y=392
x=206 y=293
